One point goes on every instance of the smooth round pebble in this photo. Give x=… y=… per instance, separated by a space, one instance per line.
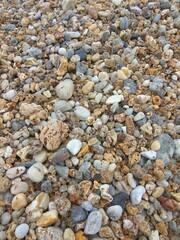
x=15 y=172
x=36 y=172
x=22 y=230
x=81 y=112
x=115 y=212
x=74 y=146
x=65 y=89
x=93 y=223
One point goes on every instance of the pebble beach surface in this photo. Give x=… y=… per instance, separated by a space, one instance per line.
x=89 y=120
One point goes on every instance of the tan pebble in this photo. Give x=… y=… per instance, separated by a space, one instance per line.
x=131 y=209
x=47 y=219
x=53 y=134
x=63 y=68
x=2 y=103
x=83 y=151
x=47 y=94
x=155 y=145
x=88 y=87
x=145 y=228
x=69 y=234
x=80 y=235
x=106 y=232
x=157 y=192
x=24 y=22
x=157 y=217
x=92 y=141
x=19 y=201
x=161 y=227
x=147 y=128
x=176 y=196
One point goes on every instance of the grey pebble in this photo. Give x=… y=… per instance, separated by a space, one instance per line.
x=62 y=171
x=60 y=156
x=131 y=85
x=78 y=214
x=46 y=186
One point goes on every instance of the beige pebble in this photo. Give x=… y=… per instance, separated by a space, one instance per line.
x=157 y=192
x=47 y=219
x=69 y=234
x=155 y=145
x=88 y=87
x=19 y=201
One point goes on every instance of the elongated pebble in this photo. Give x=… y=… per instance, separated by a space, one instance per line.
x=21 y=230
x=15 y=172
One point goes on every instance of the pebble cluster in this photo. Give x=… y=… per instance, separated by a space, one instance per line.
x=89 y=120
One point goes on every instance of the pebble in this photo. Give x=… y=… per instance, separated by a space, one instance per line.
x=74 y=146
x=81 y=112
x=19 y=187
x=149 y=154
x=69 y=234
x=48 y=218
x=15 y=172
x=139 y=116
x=117 y=2
x=114 y=99
x=9 y=95
x=60 y=156
x=40 y=157
x=115 y=212
x=65 y=89
x=120 y=199
x=62 y=105
x=78 y=214
x=19 y=201
x=137 y=194
x=36 y=172
x=22 y=230
x=93 y=223
x=5 y=218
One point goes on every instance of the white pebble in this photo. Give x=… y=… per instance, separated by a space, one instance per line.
x=139 y=116
x=8 y=152
x=10 y=95
x=21 y=230
x=81 y=112
x=36 y=172
x=127 y=224
x=74 y=146
x=5 y=218
x=136 y=194
x=65 y=89
x=114 y=99
x=154 y=235
x=115 y=212
x=19 y=187
x=131 y=180
x=15 y=172
x=40 y=157
x=149 y=154
x=117 y=2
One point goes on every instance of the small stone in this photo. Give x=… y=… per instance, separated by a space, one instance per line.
x=36 y=172
x=5 y=183
x=154 y=235
x=114 y=99
x=87 y=205
x=176 y=196
x=53 y=133
x=127 y=224
x=124 y=23
x=157 y=192
x=129 y=83
x=40 y=157
x=120 y=199
x=15 y=172
x=68 y=5
x=63 y=68
x=117 y=2
x=9 y=95
x=19 y=187
x=81 y=112
x=21 y=230
x=5 y=218
x=48 y=218
x=93 y=223
x=78 y=214
x=131 y=180
x=65 y=89
x=63 y=205
x=139 y=116
x=136 y=194
x=147 y=128
x=92 y=12
x=115 y=212
x=162 y=229
x=74 y=146
x=168 y=203
x=62 y=105
x=149 y=154
x=69 y=234
x=60 y=156
x=80 y=235
x=88 y=87
x=155 y=145
x=19 y=201
x=106 y=232
x=144 y=227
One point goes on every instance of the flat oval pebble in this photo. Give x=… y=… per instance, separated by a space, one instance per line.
x=114 y=99
x=74 y=146
x=15 y=172
x=36 y=172
x=136 y=194
x=19 y=187
x=81 y=112
x=93 y=223
x=22 y=230
x=149 y=154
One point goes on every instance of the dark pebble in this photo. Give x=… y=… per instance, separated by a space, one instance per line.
x=78 y=214
x=165 y=5
x=82 y=54
x=60 y=156
x=120 y=199
x=46 y=187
